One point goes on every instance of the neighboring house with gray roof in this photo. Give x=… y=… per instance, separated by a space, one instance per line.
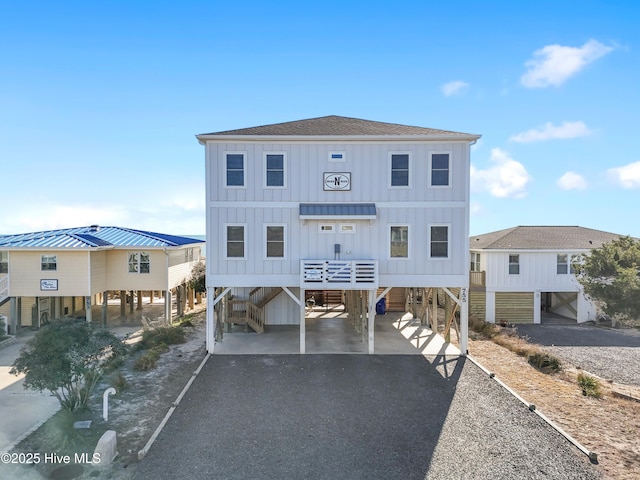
x=333 y=204
x=64 y=272
x=522 y=273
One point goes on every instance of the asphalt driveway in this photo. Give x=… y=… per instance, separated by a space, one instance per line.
x=608 y=353
x=355 y=417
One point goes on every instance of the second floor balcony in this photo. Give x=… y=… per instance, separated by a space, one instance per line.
x=477 y=279
x=339 y=274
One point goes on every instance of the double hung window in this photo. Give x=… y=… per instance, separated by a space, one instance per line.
x=274 y=170
x=440 y=170
x=139 y=262
x=234 y=169
x=439 y=241
x=399 y=169
x=48 y=262
x=399 y=241
x=235 y=241
x=275 y=241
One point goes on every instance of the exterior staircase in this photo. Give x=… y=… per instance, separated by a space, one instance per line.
x=251 y=312
x=4 y=289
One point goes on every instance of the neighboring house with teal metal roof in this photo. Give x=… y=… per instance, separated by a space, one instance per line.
x=57 y=273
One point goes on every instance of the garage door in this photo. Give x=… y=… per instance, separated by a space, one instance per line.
x=514 y=307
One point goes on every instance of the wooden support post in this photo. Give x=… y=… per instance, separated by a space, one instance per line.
x=371 y=321
x=447 y=314
x=363 y=314
x=123 y=303
x=463 y=336
x=139 y=306
x=434 y=310
x=301 y=307
x=105 y=297
x=131 y=302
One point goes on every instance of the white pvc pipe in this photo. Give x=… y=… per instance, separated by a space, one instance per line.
x=105 y=402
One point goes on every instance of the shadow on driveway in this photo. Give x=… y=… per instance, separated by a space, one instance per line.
x=354 y=417
x=577 y=335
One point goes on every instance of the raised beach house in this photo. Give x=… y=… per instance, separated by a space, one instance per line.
x=333 y=206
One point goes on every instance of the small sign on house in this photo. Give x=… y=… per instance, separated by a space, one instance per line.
x=337 y=181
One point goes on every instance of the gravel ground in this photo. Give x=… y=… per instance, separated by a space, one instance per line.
x=355 y=417
x=610 y=354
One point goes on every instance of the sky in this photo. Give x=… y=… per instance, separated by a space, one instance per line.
x=100 y=102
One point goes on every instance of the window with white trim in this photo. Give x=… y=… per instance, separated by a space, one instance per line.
x=475 y=262
x=48 y=262
x=439 y=241
x=234 y=169
x=514 y=264
x=440 y=169
x=347 y=228
x=399 y=169
x=565 y=263
x=275 y=235
x=235 y=240
x=4 y=262
x=399 y=241
x=139 y=262
x=274 y=170
x=326 y=228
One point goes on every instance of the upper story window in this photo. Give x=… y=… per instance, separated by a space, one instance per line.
x=234 y=169
x=399 y=241
x=347 y=228
x=275 y=241
x=439 y=241
x=48 y=262
x=440 y=170
x=188 y=255
x=326 y=228
x=235 y=241
x=514 y=264
x=475 y=262
x=139 y=262
x=274 y=165
x=4 y=262
x=565 y=264
x=399 y=170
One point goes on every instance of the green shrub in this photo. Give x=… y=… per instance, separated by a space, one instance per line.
x=119 y=382
x=590 y=385
x=544 y=362
x=147 y=361
x=164 y=335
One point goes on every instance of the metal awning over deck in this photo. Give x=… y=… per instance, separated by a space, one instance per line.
x=331 y=211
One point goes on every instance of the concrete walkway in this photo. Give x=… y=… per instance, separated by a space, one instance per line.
x=21 y=411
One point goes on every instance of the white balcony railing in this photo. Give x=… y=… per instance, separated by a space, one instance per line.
x=4 y=288
x=339 y=273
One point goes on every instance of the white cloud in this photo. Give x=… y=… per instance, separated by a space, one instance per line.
x=627 y=176
x=572 y=181
x=455 y=87
x=555 y=64
x=506 y=178
x=549 y=131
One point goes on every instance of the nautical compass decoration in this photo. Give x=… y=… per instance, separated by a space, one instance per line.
x=337 y=181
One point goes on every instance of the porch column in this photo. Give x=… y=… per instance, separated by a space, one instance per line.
x=13 y=315
x=152 y=294
x=167 y=307
x=123 y=302
x=464 y=321
x=139 y=307
x=537 y=309
x=131 y=302
x=105 y=296
x=87 y=308
x=191 y=297
x=211 y=320
x=490 y=312
x=371 y=317
x=302 y=305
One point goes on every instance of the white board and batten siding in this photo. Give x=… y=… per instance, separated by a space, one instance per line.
x=418 y=206
x=517 y=297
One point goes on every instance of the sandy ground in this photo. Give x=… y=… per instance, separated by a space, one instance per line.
x=609 y=426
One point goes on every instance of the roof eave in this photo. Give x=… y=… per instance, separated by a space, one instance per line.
x=204 y=138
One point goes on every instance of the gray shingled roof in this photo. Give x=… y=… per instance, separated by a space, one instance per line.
x=542 y=238
x=334 y=125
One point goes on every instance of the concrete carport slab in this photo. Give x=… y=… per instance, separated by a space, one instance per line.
x=355 y=417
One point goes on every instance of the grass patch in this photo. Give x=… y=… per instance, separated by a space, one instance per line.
x=148 y=361
x=589 y=385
